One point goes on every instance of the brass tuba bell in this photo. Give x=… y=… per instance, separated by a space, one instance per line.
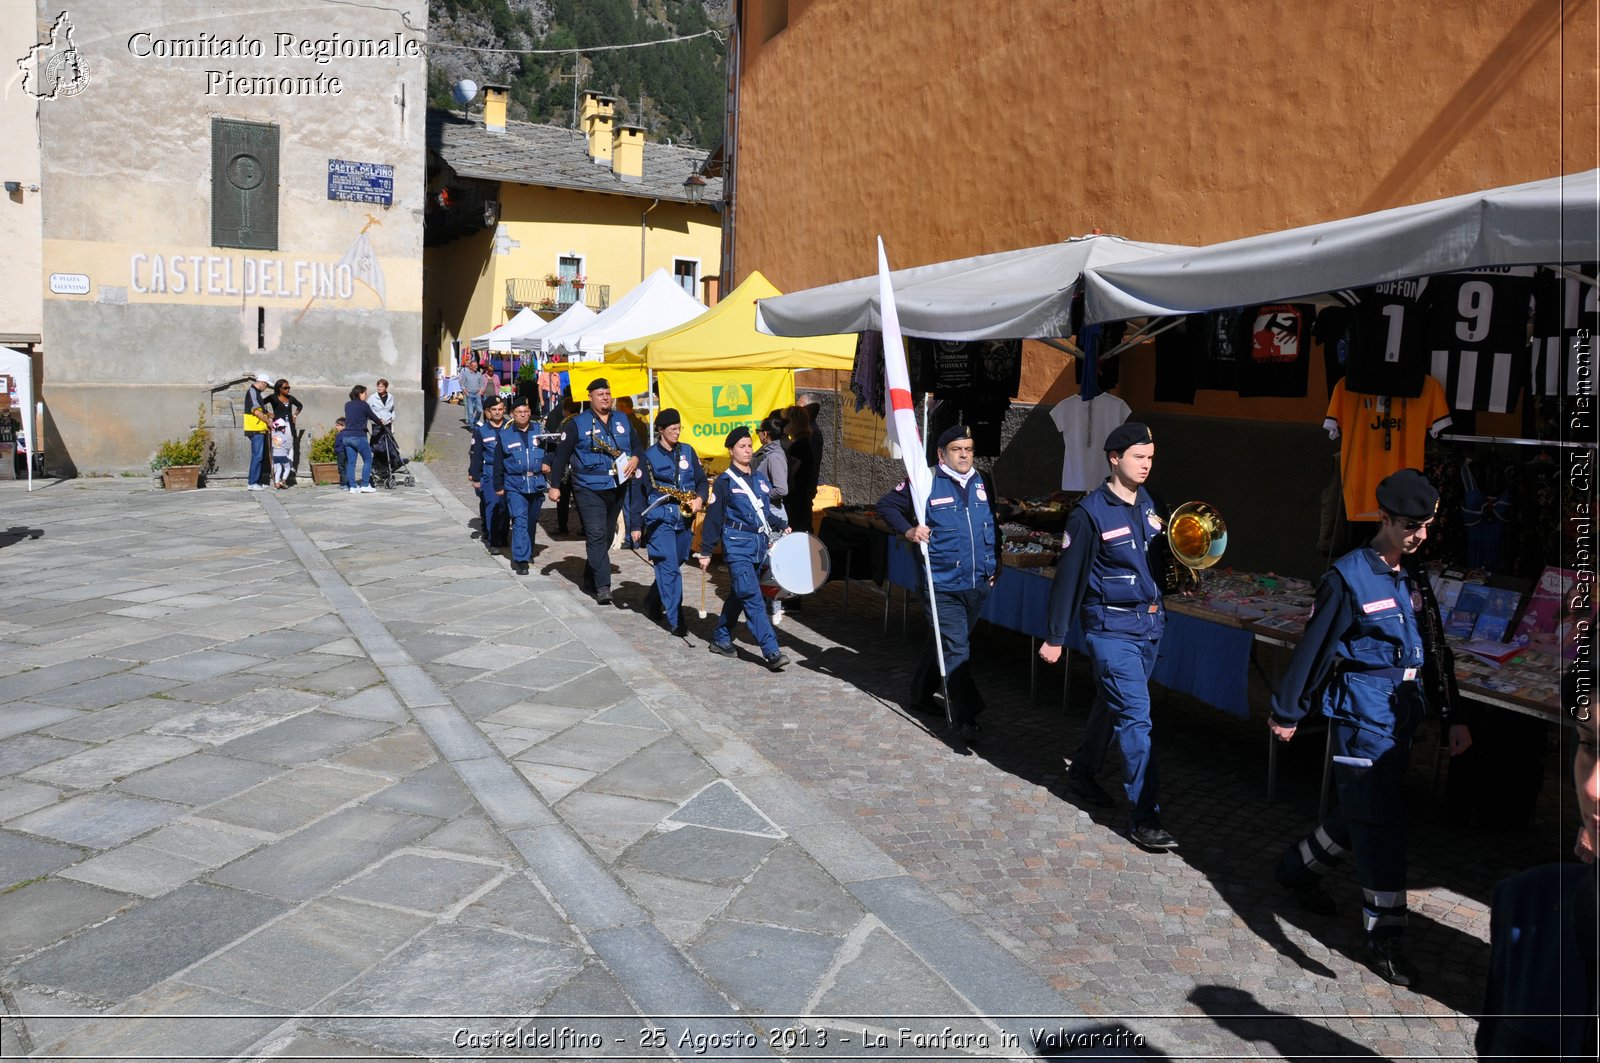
x=1197 y=535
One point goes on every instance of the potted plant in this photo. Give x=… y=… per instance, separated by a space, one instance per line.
x=528 y=383
x=324 y=459
x=553 y=279
x=181 y=461
x=579 y=281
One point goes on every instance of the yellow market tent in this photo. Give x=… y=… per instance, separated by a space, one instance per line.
x=725 y=337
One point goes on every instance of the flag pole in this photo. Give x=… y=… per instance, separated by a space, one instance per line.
x=903 y=433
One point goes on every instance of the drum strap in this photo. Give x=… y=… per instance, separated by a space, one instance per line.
x=744 y=489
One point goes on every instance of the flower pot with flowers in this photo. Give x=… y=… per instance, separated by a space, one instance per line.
x=579 y=280
x=181 y=462
x=324 y=458
x=553 y=279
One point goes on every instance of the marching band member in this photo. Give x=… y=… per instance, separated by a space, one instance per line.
x=744 y=519
x=519 y=479
x=480 y=471
x=656 y=519
x=593 y=440
x=964 y=551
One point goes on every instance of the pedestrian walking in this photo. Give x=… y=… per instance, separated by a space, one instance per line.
x=743 y=520
x=520 y=472
x=1375 y=651
x=964 y=556
x=662 y=506
x=492 y=515
x=599 y=444
x=1105 y=589
x=471 y=381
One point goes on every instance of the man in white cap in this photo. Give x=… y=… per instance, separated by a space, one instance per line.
x=257 y=421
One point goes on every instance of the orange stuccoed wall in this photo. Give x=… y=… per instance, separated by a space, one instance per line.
x=958 y=127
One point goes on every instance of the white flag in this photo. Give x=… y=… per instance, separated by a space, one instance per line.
x=902 y=409
x=364 y=265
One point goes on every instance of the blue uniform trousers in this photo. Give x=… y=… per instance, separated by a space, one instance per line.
x=524 y=509
x=491 y=515
x=745 y=596
x=598 y=510
x=1121 y=708
x=1369 y=772
x=668 y=548
x=958 y=613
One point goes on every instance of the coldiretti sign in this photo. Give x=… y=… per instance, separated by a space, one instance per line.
x=714 y=403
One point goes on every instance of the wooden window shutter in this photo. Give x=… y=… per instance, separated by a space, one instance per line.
x=244 y=184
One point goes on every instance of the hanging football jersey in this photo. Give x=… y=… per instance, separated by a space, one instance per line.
x=1227 y=344
x=1275 y=363
x=1566 y=316
x=1477 y=330
x=1333 y=331
x=1179 y=350
x=1380 y=435
x=1387 y=351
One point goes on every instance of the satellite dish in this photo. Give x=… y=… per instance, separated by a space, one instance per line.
x=464 y=91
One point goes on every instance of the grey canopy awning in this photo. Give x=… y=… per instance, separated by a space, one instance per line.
x=1546 y=222
x=1023 y=294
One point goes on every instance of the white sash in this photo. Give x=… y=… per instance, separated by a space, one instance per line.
x=744 y=489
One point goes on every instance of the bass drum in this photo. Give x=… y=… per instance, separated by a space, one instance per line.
x=799 y=563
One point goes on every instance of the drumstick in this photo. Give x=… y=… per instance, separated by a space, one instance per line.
x=702 y=594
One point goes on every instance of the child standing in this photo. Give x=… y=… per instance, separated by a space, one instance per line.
x=282 y=448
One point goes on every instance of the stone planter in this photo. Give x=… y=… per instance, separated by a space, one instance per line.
x=180 y=477
x=325 y=472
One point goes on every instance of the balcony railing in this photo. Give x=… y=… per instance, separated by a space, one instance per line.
x=542 y=295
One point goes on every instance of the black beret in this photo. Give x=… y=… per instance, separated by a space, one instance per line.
x=1408 y=493
x=516 y=401
x=667 y=418
x=1128 y=434
x=953 y=433
x=493 y=400
x=734 y=436
x=599 y=383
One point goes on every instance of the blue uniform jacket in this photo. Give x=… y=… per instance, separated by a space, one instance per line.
x=590 y=468
x=731 y=518
x=677 y=468
x=964 y=545
x=1365 y=619
x=485 y=442
x=1103 y=583
x=518 y=460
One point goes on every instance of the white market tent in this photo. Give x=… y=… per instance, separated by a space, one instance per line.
x=1021 y=294
x=1546 y=222
x=501 y=337
x=573 y=315
x=657 y=304
x=19 y=366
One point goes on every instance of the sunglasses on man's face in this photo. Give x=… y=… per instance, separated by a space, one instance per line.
x=1415 y=525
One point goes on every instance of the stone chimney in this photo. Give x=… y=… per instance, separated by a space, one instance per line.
x=596 y=117
x=494 y=107
x=627 y=153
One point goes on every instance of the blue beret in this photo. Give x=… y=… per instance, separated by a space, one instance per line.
x=1128 y=434
x=599 y=383
x=493 y=400
x=734 y=436
x=1408 y=493
x=667 y=418
x=516 y=401
x=953 y=433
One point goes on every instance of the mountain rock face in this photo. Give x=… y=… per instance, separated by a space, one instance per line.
x=676 y=91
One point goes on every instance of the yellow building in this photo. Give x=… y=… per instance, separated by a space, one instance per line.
x=534 y=215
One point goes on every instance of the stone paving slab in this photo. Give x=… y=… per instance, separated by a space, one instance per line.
x=327 y=852
x=98 y=820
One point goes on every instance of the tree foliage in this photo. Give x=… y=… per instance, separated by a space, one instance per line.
x=674 y=90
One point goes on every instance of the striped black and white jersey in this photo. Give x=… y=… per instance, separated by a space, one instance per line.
x=1477 y=336
x=1566 y=316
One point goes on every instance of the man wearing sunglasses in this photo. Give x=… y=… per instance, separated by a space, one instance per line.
x=1373 y=659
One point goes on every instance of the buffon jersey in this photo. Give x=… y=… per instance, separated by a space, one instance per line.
x=1387 y=355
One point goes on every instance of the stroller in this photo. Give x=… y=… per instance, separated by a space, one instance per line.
x=388 y=466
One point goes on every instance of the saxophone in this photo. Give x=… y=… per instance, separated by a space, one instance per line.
x=601 y=443
x=681 y=495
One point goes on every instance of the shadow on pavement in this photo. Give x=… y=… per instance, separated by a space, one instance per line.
x=17 y=533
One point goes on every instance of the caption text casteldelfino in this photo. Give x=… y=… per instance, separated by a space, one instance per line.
x=318 y=50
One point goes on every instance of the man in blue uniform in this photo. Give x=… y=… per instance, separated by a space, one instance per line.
x=1367 y=659
x=519 y=479
x=480 y=473
x=657 y=520
x=743 y=518
x=594 y=440
x=964 y=555
x=1104 y=588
